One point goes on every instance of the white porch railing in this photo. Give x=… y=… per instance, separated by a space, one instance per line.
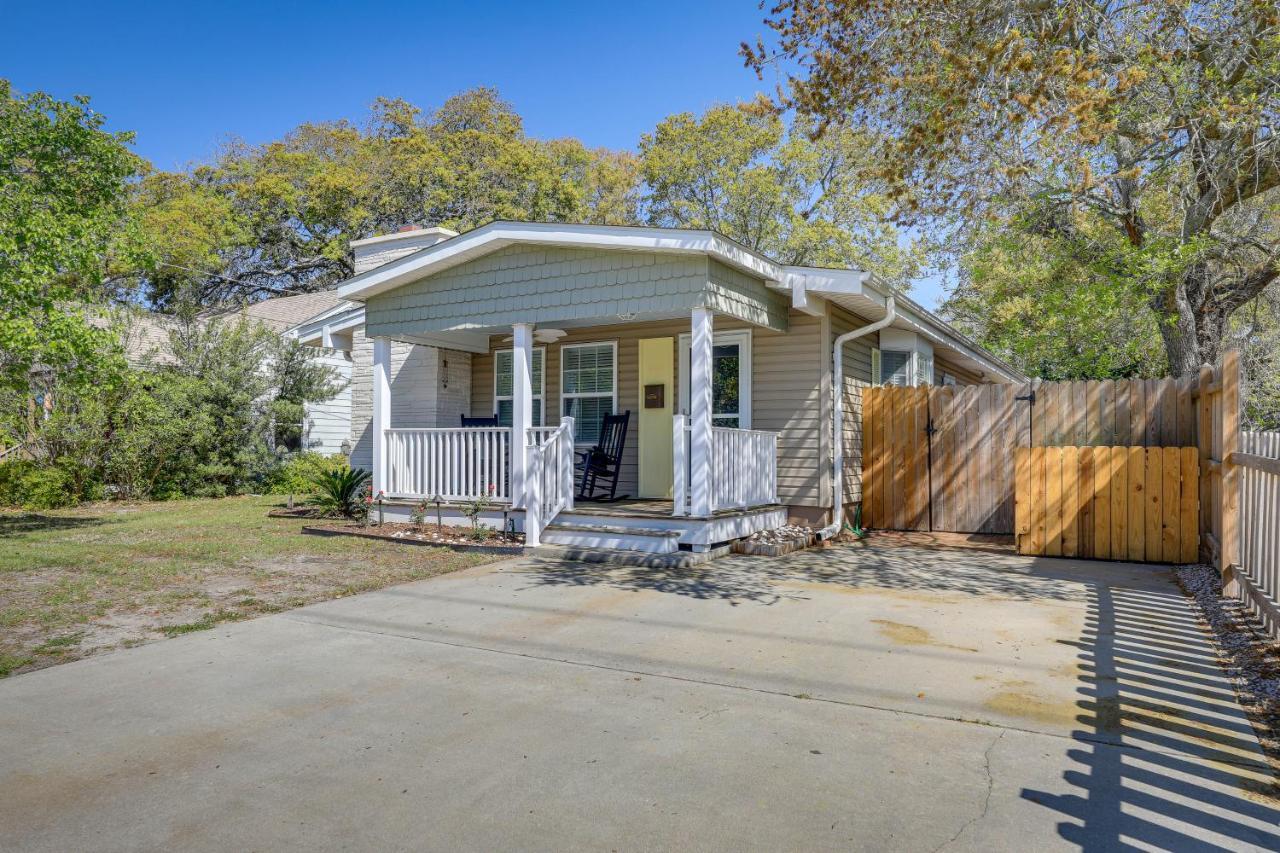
x=744 y=467
x=454 y=464
x=549 y=480
x=540 y=434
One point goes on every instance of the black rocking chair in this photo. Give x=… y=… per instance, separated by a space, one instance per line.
x=604 y=460
x=479 y=422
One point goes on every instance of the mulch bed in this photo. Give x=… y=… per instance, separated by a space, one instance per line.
x=456 y=538
x=296 y=512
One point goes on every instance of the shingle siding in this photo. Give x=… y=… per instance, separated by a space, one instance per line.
x=736 y=294
x=523 y=284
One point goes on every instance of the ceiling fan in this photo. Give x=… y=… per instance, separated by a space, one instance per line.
x=541 y=336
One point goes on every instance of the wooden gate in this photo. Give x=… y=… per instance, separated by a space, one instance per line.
x=1140 y=504
x=943 y=458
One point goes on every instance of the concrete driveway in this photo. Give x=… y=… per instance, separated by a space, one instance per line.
x=889 y=698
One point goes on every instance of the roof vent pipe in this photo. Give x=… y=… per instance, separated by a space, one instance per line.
x=837 y=392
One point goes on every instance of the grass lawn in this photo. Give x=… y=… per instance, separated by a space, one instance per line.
x=75 y=582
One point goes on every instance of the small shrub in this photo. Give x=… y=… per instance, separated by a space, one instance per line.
x=341 y=492
x=297 y=474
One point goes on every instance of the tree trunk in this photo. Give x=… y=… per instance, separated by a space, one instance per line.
x=1192 y=324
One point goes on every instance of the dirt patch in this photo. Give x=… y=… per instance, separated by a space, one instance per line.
x=75 y=583
x=913 y=635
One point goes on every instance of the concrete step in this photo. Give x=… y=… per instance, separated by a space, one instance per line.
x=645 y=540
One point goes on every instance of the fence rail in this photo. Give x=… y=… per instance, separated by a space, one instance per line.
x=454 y=464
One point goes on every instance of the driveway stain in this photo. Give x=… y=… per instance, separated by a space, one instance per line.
x=913 y=635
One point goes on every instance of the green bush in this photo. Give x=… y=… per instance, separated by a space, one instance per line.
x=342 y=492
x=297 y=474
x=24 y=483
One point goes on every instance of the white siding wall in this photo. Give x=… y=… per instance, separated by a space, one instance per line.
x=326 y=425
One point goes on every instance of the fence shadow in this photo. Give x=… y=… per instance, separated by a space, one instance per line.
x=1163 y=757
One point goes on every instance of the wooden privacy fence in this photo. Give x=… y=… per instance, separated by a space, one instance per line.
x=1140 y=504
x=943 y=458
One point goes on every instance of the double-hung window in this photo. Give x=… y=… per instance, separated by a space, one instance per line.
x=503 y=384
x=588 y=387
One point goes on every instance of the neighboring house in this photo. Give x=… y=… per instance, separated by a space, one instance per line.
x=327 y=425
x=723 y=357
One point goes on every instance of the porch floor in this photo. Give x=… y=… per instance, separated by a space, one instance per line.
x=645 y=508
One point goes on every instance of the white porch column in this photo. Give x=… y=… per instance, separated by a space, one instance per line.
x=381 y=411
x=521 y=407
x=700 y=414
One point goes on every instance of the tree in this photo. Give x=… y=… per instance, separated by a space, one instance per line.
x=274 y=219
x=1159 y=118
x=741 y=171
x=63 y=183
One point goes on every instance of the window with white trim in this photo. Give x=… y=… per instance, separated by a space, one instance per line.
x=895 y=368
x=588 y=387
x=503 y=385
x=730 y=378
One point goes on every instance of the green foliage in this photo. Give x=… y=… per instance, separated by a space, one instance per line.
x=1157 y=118
x=297 y=475
x=262 y=220
x=198 y=421
x=341 y=491
x=1057 y=308
x=62 y=201
x=741 y=171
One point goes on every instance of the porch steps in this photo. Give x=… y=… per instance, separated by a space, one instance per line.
x=646 y=540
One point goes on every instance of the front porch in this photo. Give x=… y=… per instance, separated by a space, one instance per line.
x=702 y=480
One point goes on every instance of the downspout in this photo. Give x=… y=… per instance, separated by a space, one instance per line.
x=837 y=392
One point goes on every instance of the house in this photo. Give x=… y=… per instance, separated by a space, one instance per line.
x=726 y=360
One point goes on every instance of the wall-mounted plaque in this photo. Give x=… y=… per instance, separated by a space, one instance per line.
x=655 y=396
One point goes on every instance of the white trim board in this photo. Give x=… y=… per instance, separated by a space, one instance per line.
x=497 y=235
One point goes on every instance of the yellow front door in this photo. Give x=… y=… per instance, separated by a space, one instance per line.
x=657 y=370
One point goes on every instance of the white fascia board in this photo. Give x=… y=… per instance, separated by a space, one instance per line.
x=807 y=282
x=402 y=235
x=496 y=235
x=473 y=342
x=341 y=318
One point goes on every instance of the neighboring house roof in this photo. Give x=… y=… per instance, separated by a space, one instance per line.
x=144 y=335
x=285 y=312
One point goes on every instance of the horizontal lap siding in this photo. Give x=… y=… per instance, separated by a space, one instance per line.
x=785 y=396
x=856 y=357
x=419 y=397
x=962 y=375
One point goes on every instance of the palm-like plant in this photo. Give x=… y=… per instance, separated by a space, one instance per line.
x=340 y=492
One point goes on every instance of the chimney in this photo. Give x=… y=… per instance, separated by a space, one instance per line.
x=375 y=251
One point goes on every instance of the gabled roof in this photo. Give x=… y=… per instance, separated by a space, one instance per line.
x=497 y=235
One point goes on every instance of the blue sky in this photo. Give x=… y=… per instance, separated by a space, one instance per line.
x=185 y=76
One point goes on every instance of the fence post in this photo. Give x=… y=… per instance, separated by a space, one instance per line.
x=1229 y=563
x=567 y=460
x=678 y=486
x=1204 y=443
x=533 y=496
